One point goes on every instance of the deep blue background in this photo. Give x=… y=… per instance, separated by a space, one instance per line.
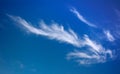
x=48 y=56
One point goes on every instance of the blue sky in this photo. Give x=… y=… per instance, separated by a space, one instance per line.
x=59 y=37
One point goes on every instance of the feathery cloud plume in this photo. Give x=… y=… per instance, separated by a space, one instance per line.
x=57 y=32
x=95 y=53
x=54 y=31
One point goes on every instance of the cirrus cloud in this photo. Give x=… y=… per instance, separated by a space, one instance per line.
x=81 y=18
x=109 y=35
x=94 y=52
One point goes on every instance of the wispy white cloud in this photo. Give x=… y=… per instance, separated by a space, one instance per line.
x=81 y=18
x=54 y=31
x=84 y=58
x=95 y=52
x=109 y=35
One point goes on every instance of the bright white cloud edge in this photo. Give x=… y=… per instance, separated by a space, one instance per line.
x=57 y=32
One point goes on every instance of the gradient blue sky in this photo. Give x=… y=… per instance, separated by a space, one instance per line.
x=24 y=51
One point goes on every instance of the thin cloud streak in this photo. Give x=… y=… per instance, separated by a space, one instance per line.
x=109 y=35
x=81 y=18
x=57 y=32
